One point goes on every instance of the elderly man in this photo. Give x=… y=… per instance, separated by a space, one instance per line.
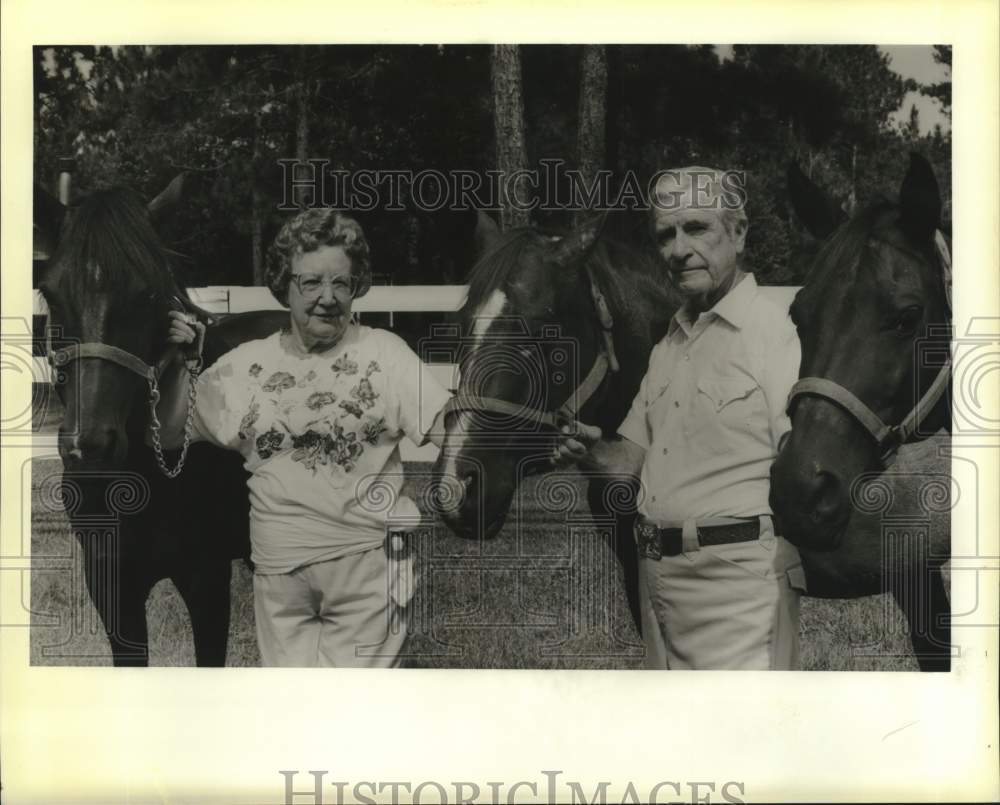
x=720 y=589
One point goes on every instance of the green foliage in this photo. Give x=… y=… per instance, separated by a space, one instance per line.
x=941 y=90
x=138 y=115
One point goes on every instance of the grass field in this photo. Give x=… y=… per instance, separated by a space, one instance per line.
x=546 y=594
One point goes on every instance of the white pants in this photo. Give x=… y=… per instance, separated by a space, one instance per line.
x=337 y=613
x=722 y=607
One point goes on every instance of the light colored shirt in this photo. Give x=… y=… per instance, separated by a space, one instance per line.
x=711 y=409
x=320 y=436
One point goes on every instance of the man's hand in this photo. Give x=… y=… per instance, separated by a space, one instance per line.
x=574 y=444
x=188 y=333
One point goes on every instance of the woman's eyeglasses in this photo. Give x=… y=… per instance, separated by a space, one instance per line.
x=311 y=286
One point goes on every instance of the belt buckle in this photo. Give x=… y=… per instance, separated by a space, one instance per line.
x=655 y=543
x=648 y=541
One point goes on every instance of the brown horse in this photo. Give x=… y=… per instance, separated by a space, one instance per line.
x=874 y=322
x=108 y=287
x=554 y=330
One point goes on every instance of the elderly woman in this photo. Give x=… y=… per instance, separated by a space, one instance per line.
x=318 y=410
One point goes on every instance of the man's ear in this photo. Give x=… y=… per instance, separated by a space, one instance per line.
x=739 y=230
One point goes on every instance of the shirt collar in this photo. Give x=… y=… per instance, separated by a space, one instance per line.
x=733 y=307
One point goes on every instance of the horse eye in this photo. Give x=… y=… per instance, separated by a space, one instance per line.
x=906 y=321
x=51 y=303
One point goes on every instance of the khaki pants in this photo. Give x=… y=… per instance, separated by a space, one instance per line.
x=330 y=614
x=724 y=606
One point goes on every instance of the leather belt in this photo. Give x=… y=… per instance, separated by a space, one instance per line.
x=655 y=543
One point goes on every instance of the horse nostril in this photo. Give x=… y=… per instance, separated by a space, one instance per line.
x=825 y=498
x=95 y=445
x=449 y=493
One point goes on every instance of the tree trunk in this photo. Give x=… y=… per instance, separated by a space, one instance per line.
x=852 y=198
x=591 y=120
x=508 y=126
x=257 y=238
x=256 y=204
x=614 y=127
x=302 y=114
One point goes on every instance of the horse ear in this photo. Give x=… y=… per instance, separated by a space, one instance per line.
x=817 y=211
x=919 y=200
x=47 y=214
x=487 y=233
x=168 y=198
x=579 y=241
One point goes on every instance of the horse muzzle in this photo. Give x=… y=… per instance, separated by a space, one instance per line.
x=101 y=447
x=457 y=497
x=811 y=503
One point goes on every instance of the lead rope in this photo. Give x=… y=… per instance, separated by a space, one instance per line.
x=194 y=368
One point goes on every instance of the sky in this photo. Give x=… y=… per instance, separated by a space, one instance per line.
x=917 y=62
x=909 y=61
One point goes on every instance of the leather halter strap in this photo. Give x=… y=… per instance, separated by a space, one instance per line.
x=151 y=374
x=888 y=438
x=606 y=361
x=565 y=414
x=62 y=357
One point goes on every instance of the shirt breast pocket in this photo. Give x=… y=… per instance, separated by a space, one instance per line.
x=727 y=406
x=657 y=405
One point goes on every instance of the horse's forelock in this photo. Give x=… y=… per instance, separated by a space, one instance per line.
x=109 y=245
x=493 y=270
x=839 y=259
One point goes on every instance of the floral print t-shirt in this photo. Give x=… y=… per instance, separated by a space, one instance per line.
x=320 y=435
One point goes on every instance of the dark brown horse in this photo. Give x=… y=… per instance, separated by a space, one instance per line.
x=108 y=287
x=874 y=321
x=553 y=331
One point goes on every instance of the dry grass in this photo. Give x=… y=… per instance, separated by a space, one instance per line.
x=546 y=595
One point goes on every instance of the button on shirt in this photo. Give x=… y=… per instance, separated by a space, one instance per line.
x=711 y=409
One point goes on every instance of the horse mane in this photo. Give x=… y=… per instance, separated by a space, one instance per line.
x=846 y=246
x=493 y=270
x=629 y=279
x=108 y=244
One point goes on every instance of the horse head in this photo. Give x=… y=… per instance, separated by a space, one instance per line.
x=871 y=318
x=533 y=352
x=108 y=286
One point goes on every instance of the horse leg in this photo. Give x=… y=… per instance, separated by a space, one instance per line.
x=628 y=557
x=622 y=543
x=119 y=595
x=928 y=613
x=205 y=590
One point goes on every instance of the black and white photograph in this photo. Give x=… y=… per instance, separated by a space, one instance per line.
x=398 y=359
x=579 y=300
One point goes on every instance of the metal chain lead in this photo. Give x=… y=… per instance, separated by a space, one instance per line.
x=194 y=368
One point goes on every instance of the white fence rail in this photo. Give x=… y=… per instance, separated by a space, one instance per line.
x=380 y=299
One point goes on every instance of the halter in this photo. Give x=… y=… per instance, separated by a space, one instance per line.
x=605 y=361
x=95 y=349
x=888 y=438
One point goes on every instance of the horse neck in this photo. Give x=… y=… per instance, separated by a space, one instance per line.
x=641 y=309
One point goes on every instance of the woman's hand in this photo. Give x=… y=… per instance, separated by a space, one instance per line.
x=188 y=333
x=574 y=444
